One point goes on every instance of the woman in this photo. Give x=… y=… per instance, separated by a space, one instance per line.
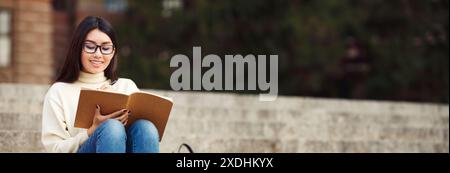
x=91 y=62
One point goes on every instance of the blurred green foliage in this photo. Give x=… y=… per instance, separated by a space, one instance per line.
x=401 y=46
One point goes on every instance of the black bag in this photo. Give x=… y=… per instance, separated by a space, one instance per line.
x=185 y=146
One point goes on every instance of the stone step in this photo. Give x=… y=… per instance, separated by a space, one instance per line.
x=377 y=146
x=20 y=106
x=243 y=129
x=306 y=117
x=20 y=141
x=281 y=129
x=223 y=122
x=218 y=144
x=34 y=94
x=261 y=114
x=23 y=91
x=20 y=121
x=197 y=123
x=33 y=105
x=29 y=141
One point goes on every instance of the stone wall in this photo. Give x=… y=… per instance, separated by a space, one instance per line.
x=217 y=122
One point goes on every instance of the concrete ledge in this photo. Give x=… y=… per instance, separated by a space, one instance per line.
x=220 y=122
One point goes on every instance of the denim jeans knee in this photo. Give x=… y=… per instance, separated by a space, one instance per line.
x=113 y=129
x=143 y=137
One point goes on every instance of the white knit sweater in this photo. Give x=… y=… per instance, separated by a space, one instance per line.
x=60 y=106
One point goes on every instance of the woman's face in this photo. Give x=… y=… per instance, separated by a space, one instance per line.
x=97 y=52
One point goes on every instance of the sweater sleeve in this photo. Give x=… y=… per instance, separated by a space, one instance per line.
x=131 y=86
x=55 y=136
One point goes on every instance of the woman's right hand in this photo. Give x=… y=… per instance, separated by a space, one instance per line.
x=121 y=115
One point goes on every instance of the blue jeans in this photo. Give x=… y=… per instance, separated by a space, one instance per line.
x=112 y=137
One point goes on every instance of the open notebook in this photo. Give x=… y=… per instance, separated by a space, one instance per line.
x=143 y=105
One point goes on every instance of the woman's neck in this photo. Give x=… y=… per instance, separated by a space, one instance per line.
x=92 y=77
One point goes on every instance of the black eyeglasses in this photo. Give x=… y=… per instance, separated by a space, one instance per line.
x=90 y=47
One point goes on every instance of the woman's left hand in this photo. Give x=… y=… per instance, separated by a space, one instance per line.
x=123 y=118
x=105 y=87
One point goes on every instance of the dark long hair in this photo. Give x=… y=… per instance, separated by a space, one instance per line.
x=70 y=71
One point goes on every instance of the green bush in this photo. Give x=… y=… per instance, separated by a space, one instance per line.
x=403 y=45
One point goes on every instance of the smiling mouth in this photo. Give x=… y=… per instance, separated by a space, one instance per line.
x=96 y=63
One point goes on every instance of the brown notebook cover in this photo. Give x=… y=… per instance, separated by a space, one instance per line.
x=143 y=105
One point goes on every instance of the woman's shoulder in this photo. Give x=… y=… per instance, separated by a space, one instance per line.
x=58 y=88
x=126 y=85
x=125 y=80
